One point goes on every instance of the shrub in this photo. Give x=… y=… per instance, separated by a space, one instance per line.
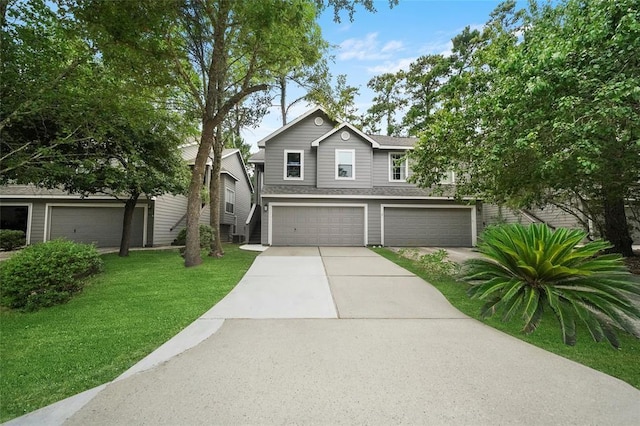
x=11 y=239
x=46 y=274
x=206 y=236
x=533 y=269
x=435 y=264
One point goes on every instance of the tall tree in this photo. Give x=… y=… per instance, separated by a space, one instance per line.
x=63 y=127
x=549 y=103
x=386 y=104
x=339 y=100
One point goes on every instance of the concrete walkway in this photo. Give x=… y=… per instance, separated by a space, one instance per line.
x=343 y=336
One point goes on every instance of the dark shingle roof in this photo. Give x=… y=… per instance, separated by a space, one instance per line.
x=377 y=192
x=258 y=157
x=393 y=140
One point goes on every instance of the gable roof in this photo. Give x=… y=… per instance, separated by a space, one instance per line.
x=364 y=136
x=309 y=113
x=231 y=151
x=257 y=157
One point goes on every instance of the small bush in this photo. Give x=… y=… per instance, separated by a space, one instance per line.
x=206 y=236
x=46 y=274
x=11 y=239
x=435 y=264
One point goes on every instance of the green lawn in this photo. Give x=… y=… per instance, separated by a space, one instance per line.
x=122 y=315
x=623 y=364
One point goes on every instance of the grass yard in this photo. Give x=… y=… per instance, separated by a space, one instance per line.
x=121 y=316
x=622 y=363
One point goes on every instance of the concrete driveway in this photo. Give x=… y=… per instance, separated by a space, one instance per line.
x=343 y=336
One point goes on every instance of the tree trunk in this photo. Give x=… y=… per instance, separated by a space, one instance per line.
x=192 y=249
x=129 y=208
x=283 y=98
x=214 y=195
x=615 y=226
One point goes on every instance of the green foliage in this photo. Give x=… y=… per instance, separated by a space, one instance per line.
x=539 y=107
x=46 y=274
x=434 y=264
x=206 y=236
x=530 y=270
x=11 y=239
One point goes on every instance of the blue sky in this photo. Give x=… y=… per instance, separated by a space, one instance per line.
x=386 y=41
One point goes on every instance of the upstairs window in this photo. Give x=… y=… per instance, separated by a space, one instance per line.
x=293 y=165
x=345 y=164
x=398 y=167
x=229 y=201
x=449 y=178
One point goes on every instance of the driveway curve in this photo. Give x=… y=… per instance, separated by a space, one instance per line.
x=344 y=336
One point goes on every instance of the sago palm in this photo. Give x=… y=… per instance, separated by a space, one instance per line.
x=531 y=269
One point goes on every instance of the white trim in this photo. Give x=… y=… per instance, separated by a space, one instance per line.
x=406 y=167
x=286 y=154
x=474 y=224
x=353 y=164
x=281 y=204
x=355 y=130
x=253 y=209
x=48 y=206
x=29 y=207
x=396 y=147
x=227 y=172
x=261 y=142
x=368 y=197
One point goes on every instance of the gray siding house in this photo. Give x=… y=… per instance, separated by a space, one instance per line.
x=46 y=214
x=324 y=183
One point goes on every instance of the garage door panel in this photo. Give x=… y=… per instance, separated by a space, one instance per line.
x=411 y=227
x=317 y=226
x=99 y=225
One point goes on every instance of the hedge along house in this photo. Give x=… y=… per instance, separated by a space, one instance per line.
x=324 y=183
x=47 y=214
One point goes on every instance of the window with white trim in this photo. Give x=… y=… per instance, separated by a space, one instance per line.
x=345 y=164
x=398 y=167
x=229 y=201
x=449 y=178
x=293 y=164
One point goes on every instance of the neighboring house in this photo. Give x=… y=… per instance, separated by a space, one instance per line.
x=554 y=217
x=46 y=214
x=324 y=183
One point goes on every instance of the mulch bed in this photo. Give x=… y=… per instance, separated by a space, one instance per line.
x=633 y=263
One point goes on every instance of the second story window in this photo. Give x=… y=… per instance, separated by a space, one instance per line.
x=229 y=201
x=449 y=178
x=293 y=165
x=345 y=164
x=398 y=167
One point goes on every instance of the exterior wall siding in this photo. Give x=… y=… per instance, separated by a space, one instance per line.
x=327 y=162
x=298 y=137
x=381 y=169
x=493 y=214
x=243 y=191
x=169 y=212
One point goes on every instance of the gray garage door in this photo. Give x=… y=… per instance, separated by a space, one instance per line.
x=100 y=225
x=412 y=227
x=317 y=226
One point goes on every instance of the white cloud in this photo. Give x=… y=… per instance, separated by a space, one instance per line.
x=392 y=66
x=392 y=46
x=368 y=48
